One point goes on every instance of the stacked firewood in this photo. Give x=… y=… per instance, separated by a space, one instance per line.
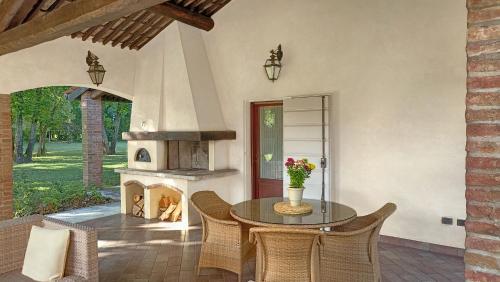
x=138 y=207
x=170 y=209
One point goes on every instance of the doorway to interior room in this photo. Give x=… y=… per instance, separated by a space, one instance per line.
x=267 y=149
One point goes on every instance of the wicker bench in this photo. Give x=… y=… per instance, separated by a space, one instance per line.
x=81 y=263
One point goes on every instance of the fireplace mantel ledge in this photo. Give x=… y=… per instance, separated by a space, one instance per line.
x=192 y=175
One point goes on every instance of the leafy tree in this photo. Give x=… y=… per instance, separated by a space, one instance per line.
x=55 y=110
x=17 y=106
x=116 y=117
x=45 y=108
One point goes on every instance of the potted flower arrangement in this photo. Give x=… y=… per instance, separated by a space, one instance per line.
x=299 y=171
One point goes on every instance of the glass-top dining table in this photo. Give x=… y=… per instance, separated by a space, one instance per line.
x=260 y=212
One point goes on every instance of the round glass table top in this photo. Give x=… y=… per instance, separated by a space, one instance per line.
x=260 y=212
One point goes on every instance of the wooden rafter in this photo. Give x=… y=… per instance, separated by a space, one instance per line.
x=155 y=29
x=121 y=27
x=138 y=33
x=131 y=28
x=183 y=15
x=8 y=9
x=103 y=31
x=68 y=19
x=23 y=13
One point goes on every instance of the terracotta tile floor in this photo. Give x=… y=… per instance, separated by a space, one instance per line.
x=132 y=249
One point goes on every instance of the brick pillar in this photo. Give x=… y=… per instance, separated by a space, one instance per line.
x=92 y=139
x=6 y=163
x=482 y=255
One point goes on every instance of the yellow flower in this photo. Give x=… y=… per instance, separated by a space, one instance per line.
x=312 y=166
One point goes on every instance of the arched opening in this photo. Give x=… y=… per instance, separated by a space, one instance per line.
x=66 y=145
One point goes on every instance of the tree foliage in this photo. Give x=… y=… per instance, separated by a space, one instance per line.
x=44 y=114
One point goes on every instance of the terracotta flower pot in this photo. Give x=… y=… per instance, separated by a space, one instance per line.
x=295 y=196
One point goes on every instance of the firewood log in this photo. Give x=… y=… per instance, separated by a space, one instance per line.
x=166 y=214
x=165 y=202
x=177 y=212
x=138 y=208
x=137 y=198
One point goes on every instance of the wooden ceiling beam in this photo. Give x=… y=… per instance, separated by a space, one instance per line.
x=183 y=15
x=66 y=20
x=8 y=9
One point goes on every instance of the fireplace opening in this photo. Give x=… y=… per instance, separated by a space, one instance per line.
x=187 y=155
x=142 y=155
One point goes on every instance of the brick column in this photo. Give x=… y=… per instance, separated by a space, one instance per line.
x=482 y=255
x=6 y=163
x=92 y=139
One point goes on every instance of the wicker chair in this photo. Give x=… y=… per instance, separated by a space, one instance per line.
x=350 y=252
x=81 y=262
x=286 y=254
x=225 y=241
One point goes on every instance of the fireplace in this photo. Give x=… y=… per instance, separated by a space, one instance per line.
x=165 y=168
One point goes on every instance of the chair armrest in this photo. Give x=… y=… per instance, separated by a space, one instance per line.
x=82 y=259
x=14 y=235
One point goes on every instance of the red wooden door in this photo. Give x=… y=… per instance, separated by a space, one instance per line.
x=267 y=149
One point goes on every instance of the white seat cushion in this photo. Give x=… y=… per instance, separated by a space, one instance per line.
x=45 y=257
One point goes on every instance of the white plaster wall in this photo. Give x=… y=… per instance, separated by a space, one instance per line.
x=397 y=71
x=62 y=62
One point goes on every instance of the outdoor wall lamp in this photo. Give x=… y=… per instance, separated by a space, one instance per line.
x=273 y=64
x=96 y=71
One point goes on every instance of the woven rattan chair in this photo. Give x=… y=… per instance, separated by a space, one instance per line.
x=286 y=254
x=81 y=262
x=225 y=241
x=350 y=252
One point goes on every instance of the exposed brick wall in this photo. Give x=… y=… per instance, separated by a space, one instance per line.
x=92 y=139
x=5 y=158
x=482 y=255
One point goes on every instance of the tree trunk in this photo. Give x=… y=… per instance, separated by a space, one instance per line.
x=116 y=130
x=105 y=141
x=19 y=139
x=42 y=151
x=28 y=155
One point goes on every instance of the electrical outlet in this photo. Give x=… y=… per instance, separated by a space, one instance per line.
x=447 y=220
x=460 y=222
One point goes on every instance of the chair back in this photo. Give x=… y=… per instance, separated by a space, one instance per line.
x=210 y=205
x=285 y=254
x=350 y=252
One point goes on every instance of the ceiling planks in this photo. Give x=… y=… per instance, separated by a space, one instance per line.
x=68 y=19
x=128 y=23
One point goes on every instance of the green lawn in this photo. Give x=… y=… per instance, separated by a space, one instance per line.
x=54 y=182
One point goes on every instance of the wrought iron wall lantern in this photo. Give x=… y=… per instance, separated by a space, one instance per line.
x=273 y=64
x=96 y=71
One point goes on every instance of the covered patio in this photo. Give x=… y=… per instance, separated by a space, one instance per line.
x=131 y=249
x=371 y=93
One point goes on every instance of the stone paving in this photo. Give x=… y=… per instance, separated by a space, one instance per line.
x=92 y=212
x=134 y=249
